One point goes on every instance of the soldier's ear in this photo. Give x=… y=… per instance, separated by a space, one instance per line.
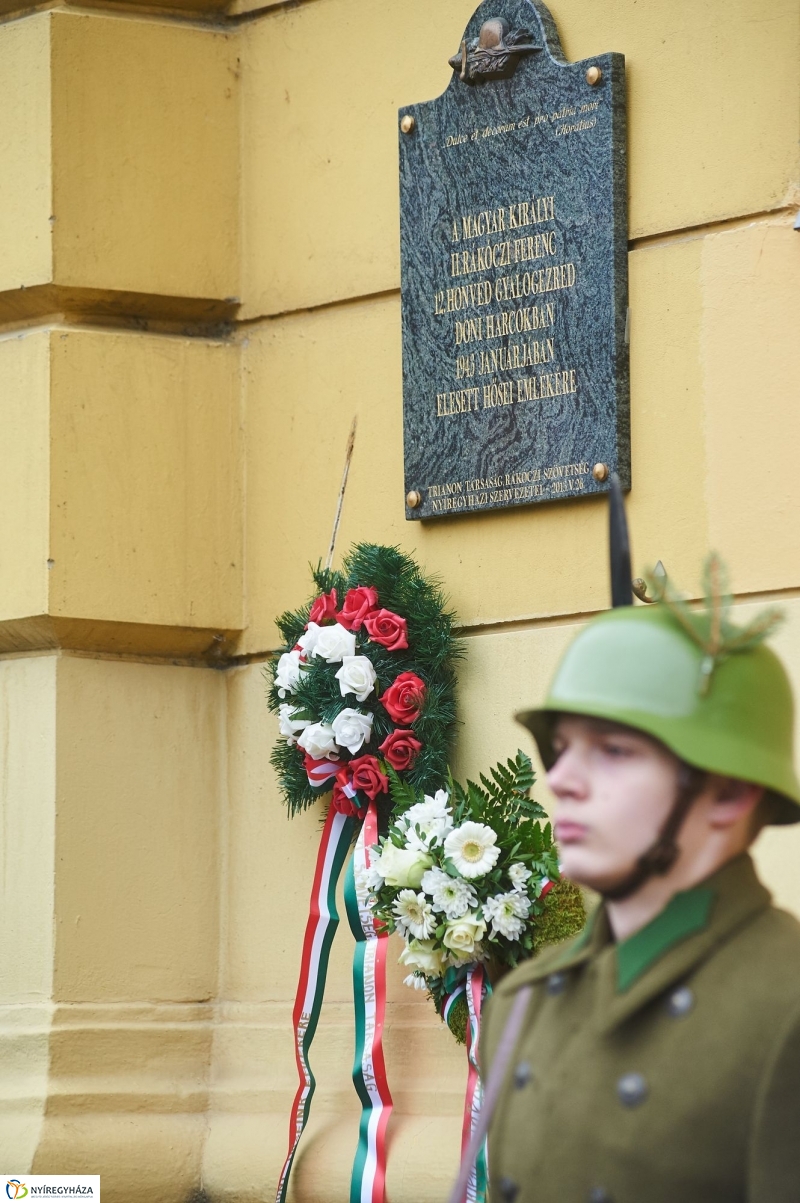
x=732 y=800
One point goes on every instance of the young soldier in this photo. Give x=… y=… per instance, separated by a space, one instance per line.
x=659 y=1055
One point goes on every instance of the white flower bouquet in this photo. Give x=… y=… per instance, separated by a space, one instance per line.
x=470 y=875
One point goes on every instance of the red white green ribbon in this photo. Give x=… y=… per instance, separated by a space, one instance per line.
x=477 y=989
x=368 y=1181
x=323 y=919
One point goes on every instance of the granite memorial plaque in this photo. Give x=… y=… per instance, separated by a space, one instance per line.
x=514 y=273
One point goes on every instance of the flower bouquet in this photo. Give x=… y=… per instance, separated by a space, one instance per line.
x=469 y=876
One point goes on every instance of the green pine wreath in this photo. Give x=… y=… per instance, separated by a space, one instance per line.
x=383 y=625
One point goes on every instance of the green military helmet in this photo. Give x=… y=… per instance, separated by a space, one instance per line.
x=731 y=713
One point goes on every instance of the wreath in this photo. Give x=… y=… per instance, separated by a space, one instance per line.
x=365 y=684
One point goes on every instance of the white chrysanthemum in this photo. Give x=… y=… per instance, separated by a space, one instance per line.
x=439 y=800
x=356 y=676
x=352 y=728
x=519 y=874
x=373 y=878
x=428 y=821
x=472 y=848
x=415 y=981
x=319 y=741
x=288 y=673
x=433 y=879
x=506 y=913
x=364 y=882
x=452 y=895
x=289 y=726
x=414 y=915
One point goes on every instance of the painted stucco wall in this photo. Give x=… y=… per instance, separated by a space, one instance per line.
x=199 y=289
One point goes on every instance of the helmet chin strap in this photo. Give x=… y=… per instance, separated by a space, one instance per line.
x=662 y=854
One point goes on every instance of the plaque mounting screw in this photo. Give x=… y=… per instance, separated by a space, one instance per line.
x=413 y=499
x=407 y=124
x=593 y=76
x=600 y=472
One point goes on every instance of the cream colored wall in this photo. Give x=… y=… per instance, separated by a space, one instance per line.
x=199 y=290
x=27 y=797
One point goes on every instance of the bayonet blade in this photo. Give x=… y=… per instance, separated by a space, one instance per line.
x=619 y=546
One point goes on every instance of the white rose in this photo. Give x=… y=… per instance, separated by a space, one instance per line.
x=356 y=676
x=288 y=672
x=308 y=640
x=420 y=954
x=463 y=934
x=352 y=728
x=289 y=726
x=402 y=867
x=333 y=643
x=319 y=741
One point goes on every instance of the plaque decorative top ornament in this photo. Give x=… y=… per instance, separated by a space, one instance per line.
x=494 y=54
x=514 y=273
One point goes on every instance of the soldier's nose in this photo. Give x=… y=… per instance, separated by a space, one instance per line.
x=565 y=777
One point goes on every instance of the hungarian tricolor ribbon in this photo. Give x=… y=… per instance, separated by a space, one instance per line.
x=319 y=772
x=477 y=989
x=323 y=919
x=368 y=1181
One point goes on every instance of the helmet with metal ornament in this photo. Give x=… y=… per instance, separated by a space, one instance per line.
x=711 y=692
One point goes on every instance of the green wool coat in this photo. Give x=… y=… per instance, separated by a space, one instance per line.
x=665 y=1069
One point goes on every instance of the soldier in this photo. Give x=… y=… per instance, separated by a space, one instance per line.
x=657 y=1059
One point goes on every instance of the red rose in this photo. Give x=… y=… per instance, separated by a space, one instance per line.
x=358 y=603
x=401 y=749
x=323 y=608
x=388 y=629
x=345 y=798
x=367 y=776
x=404 y=697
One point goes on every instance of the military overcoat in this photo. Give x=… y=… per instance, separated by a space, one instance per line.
x=664 y=1069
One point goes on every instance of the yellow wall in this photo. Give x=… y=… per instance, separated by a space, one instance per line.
x=199 y=289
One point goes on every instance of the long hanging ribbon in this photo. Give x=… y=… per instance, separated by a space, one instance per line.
x=323 y=919
x=368 y=1181
x=477 y=989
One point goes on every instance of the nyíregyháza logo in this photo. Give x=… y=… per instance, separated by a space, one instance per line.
x=17 y=1190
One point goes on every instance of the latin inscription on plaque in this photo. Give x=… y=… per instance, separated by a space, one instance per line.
x=514 y=273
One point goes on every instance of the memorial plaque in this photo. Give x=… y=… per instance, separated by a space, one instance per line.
x=514 y=273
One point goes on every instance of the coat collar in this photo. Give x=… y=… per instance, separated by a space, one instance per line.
x=687 y=931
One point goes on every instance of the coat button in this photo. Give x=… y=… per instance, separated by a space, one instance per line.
x=556 y=983
x=680 y=1002
x=599 y=1195
x=523 y=1074
x=509 y=1189
x=632 y=1090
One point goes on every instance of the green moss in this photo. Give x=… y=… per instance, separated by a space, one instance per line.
x=458 y=1019
x=564 y=915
